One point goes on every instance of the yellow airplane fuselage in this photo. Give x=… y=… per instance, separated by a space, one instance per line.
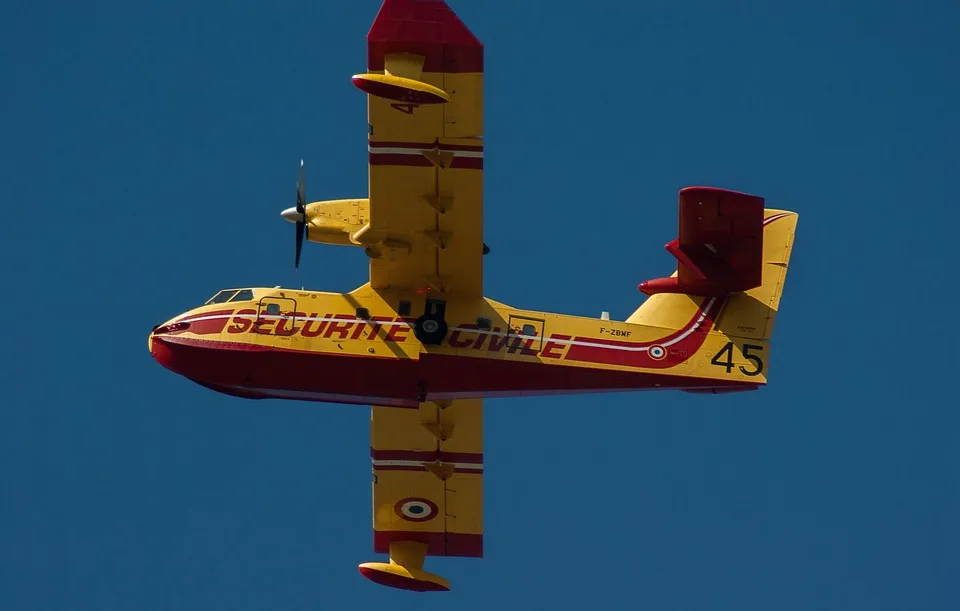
x=361 y=348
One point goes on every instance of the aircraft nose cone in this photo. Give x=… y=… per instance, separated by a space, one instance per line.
x=291 y=214
x=160 y=351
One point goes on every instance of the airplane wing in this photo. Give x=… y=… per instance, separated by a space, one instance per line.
x=424 y=83
x=427 y=489
x=719 y=249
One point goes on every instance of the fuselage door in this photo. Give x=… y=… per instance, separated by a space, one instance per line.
x=525 y=335
x=276 y=316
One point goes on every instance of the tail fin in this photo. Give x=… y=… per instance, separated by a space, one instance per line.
x=751 y=315
x=747 y=314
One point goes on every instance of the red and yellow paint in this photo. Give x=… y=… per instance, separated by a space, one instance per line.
x=349 y=345
x=317 y=349
x=421 y=227
x=325 y=350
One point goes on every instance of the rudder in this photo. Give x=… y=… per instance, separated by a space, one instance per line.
x=751 y=315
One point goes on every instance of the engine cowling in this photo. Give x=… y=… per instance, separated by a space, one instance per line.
x=346 y=222
x=336 y=221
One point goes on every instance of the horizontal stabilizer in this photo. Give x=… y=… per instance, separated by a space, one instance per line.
x=719 y=249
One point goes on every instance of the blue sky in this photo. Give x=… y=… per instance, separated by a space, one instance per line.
x=147 y=152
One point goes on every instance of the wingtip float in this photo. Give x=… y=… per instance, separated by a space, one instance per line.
x=409 y=38
x=422 y=345
x=404 y=571
x=401 y=578
x=400 y=89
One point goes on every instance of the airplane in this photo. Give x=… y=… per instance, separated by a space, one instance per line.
x=421 y=344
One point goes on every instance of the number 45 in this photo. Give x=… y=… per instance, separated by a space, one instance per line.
x=727 y=353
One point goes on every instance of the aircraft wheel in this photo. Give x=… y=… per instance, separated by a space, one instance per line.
x=430 y=330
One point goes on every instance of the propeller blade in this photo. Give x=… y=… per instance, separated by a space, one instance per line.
x=301 y=214
x=301 y=191
x=300 y=231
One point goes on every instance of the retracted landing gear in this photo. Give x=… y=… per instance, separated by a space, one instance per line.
x=431 y=328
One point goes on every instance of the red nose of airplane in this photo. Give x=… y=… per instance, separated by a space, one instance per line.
x=163 y=350
x=160 y=351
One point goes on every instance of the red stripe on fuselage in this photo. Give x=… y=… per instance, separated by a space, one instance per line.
x=207 y=323
x=693 y=334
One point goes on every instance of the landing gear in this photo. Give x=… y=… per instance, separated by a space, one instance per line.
x=431 y=328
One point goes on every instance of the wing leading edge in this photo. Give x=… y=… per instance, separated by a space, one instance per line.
x=427 y=489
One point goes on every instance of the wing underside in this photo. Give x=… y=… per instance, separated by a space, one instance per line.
x=425 y=112
x=427 y=483
x=424 y=85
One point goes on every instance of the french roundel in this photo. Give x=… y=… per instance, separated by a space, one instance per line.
x=416 y=509
x=657 y=352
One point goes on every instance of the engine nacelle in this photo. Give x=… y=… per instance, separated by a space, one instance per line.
x=346 y=222
x=336 y=221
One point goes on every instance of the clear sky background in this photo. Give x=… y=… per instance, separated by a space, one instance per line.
x=147 y=149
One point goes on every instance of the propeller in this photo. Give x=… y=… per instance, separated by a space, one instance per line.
x=298 y=214
x=301 y=214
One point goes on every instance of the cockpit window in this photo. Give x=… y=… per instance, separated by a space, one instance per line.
x=244 y=295
x=222 y=297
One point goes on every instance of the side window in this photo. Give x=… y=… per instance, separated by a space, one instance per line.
x=530 y=330
x=222 y=297
x=273 y=309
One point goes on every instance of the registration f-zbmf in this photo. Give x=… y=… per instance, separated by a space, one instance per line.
x=419 y=341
